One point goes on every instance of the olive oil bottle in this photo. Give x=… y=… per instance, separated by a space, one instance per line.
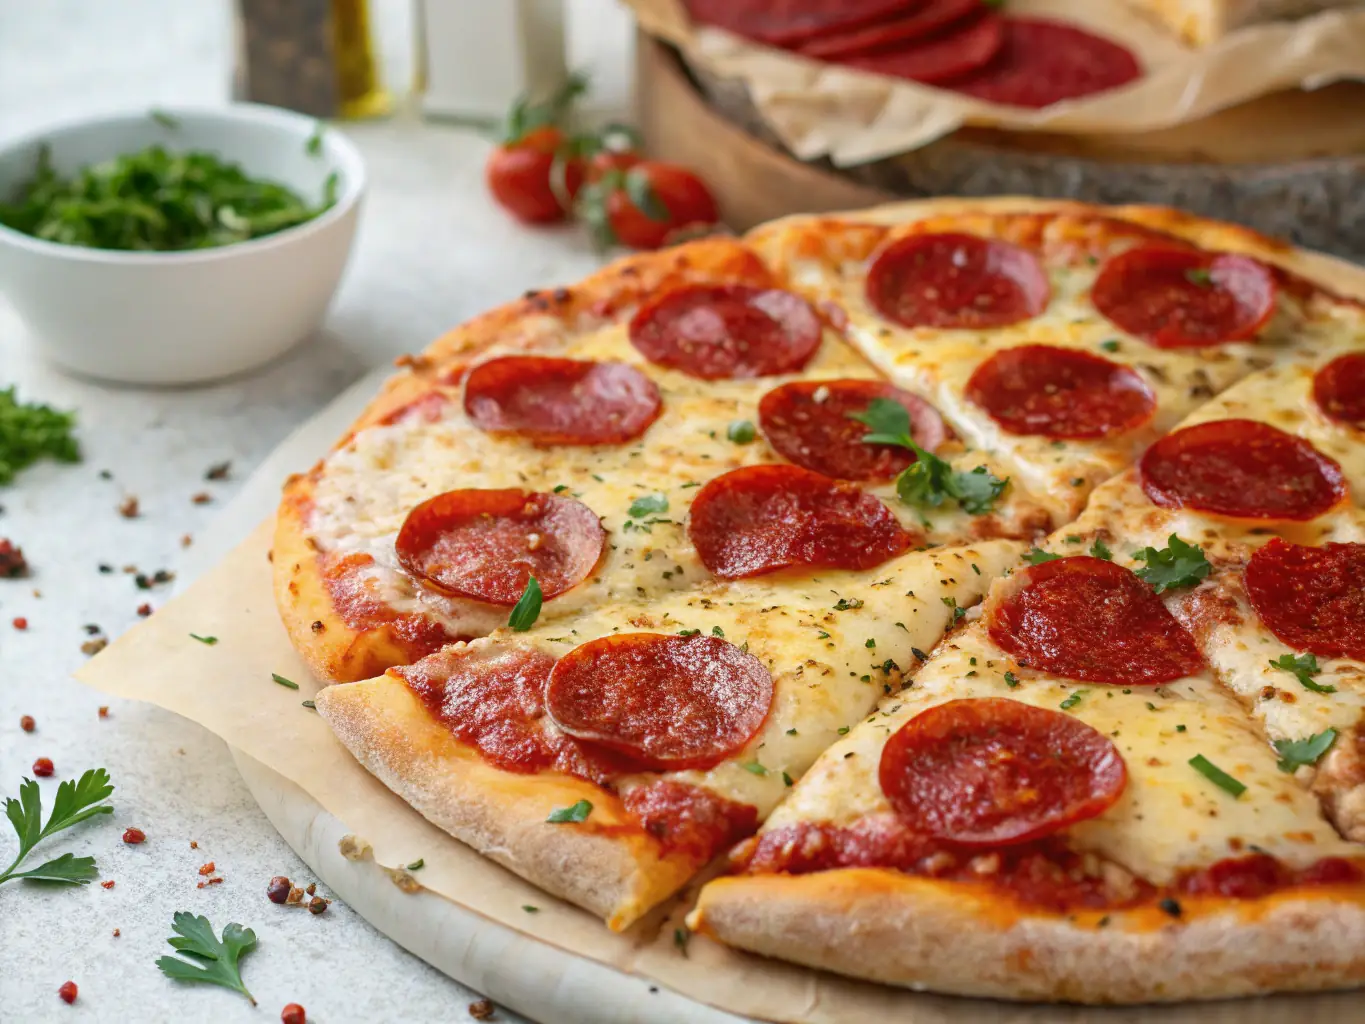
x=314 y=56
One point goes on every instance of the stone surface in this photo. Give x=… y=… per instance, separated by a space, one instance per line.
x=432 y=251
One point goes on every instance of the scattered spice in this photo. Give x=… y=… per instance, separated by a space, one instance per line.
x=133 y=836
x=105 y=568
x=193 y=845
x=317 y=626
x=215 y=880
x=318 y=905
x=94 y=646
x=293 y=1014
x=12 y=561
x=116 y=933
x=27 y=723
x=104 y=710
x=43 y=767
x=202 y=498
x=144 y=609
x=20 y=623
x=107 y=885
x=68 y=992
x=218 y=471
x=278 y=889
x=145 y=582
x=482 y=1010
x=207 y=869
x=129 y=507
x=186 y=540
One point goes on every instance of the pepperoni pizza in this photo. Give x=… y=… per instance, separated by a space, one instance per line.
x=692 y=557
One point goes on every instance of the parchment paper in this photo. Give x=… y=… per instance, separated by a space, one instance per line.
x=227 y=688
x=819 y=109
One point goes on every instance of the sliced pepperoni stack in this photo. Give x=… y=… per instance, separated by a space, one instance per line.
x=994 y=772
x=1087 y=618
x=962 y=45
x=1241 y=468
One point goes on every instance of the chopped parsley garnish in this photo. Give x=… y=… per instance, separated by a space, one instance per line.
x=527 y=609
x=1199 y=276
x=560 y=488
x=209 y=640
x=1011 y=680
x=786 y=779
x=206 y=958
x=951 y=604
x=156 y=201
x=1303 y=668
x=843 y=730
x=74 y=803
x=1072 y=700
x=1296 y=753
x=689 y=632
x=649 y=505
x=846 y=603
x=1037 y=556
x=680 y=937
x=741 y=432
x=283 y=681
x=717 y=631
x=1177 y=565
x=418 y=864
x=870 y=643
x=573 y=813
x=1110 y=344
x=29 y=432
x=530 y=909
x=754 y=768
x=1101 y=550
x=1216 y=775
x=929 y=481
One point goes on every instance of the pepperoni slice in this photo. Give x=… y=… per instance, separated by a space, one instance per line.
x=665 y=702
x=953 y=280
x=760 y=519
x=1043 y=62
x=1060 y=392
x=788 y=22
x=1085 y=618
x=995 y=772
x=727 y=331
x=1241 y=468
x=1339 y=389
x=809 y=423
x=1312 y=599
x=561 y=401
x=914 y=24
x=484 y=545
x=1184 y=298
x=960 y=50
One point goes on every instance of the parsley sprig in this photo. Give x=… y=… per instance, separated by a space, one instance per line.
x=1179 y=564
x=527 y=609
x=928 y=481
x=1303 y=668
x=75 y=802
x=1296 y=753
x=31 y=431
x=205 y=957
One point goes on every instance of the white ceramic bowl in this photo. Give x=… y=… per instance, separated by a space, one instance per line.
x=183 y=317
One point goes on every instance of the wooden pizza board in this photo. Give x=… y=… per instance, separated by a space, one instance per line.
x=1290 y=164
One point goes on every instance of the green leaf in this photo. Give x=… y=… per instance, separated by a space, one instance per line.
x=1216 y=775
x=573 y=813
x=741 y=432
x=1177 y=565
x=1101 y=550
x=888 y=422
x=649 y=505
x=527 y=609
x=283 y=681
x=1037 y=556
x=643 y=197
x=206 y=958
x=208 y=641
x=1303 y=668
x=76 y=801
x=68 y=869
x=32 y=431
x=1072 y=699
x=1296 y=753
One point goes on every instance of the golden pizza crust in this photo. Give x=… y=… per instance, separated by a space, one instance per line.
x=606 y=864
x=959 y=938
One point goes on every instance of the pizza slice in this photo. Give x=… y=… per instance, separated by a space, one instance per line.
x=1064 y=804
x=569 y=448
x=608 y=756
x=1062 y=340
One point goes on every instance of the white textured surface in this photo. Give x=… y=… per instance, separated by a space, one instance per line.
x=431 y=253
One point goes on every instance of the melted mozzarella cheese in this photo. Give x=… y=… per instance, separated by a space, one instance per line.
x=367 y=487
x=1169 y=817
x=834 y=642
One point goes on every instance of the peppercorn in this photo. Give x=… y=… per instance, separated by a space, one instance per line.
x=27 y=723
x=43 y=767
x=133 y=836
x=20 y=622
x=293 y=1014
x=278 y=889
x=68 y=992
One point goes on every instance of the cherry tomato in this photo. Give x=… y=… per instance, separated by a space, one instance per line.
x=672 y=198
x=520 y=176
x=606 y=160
